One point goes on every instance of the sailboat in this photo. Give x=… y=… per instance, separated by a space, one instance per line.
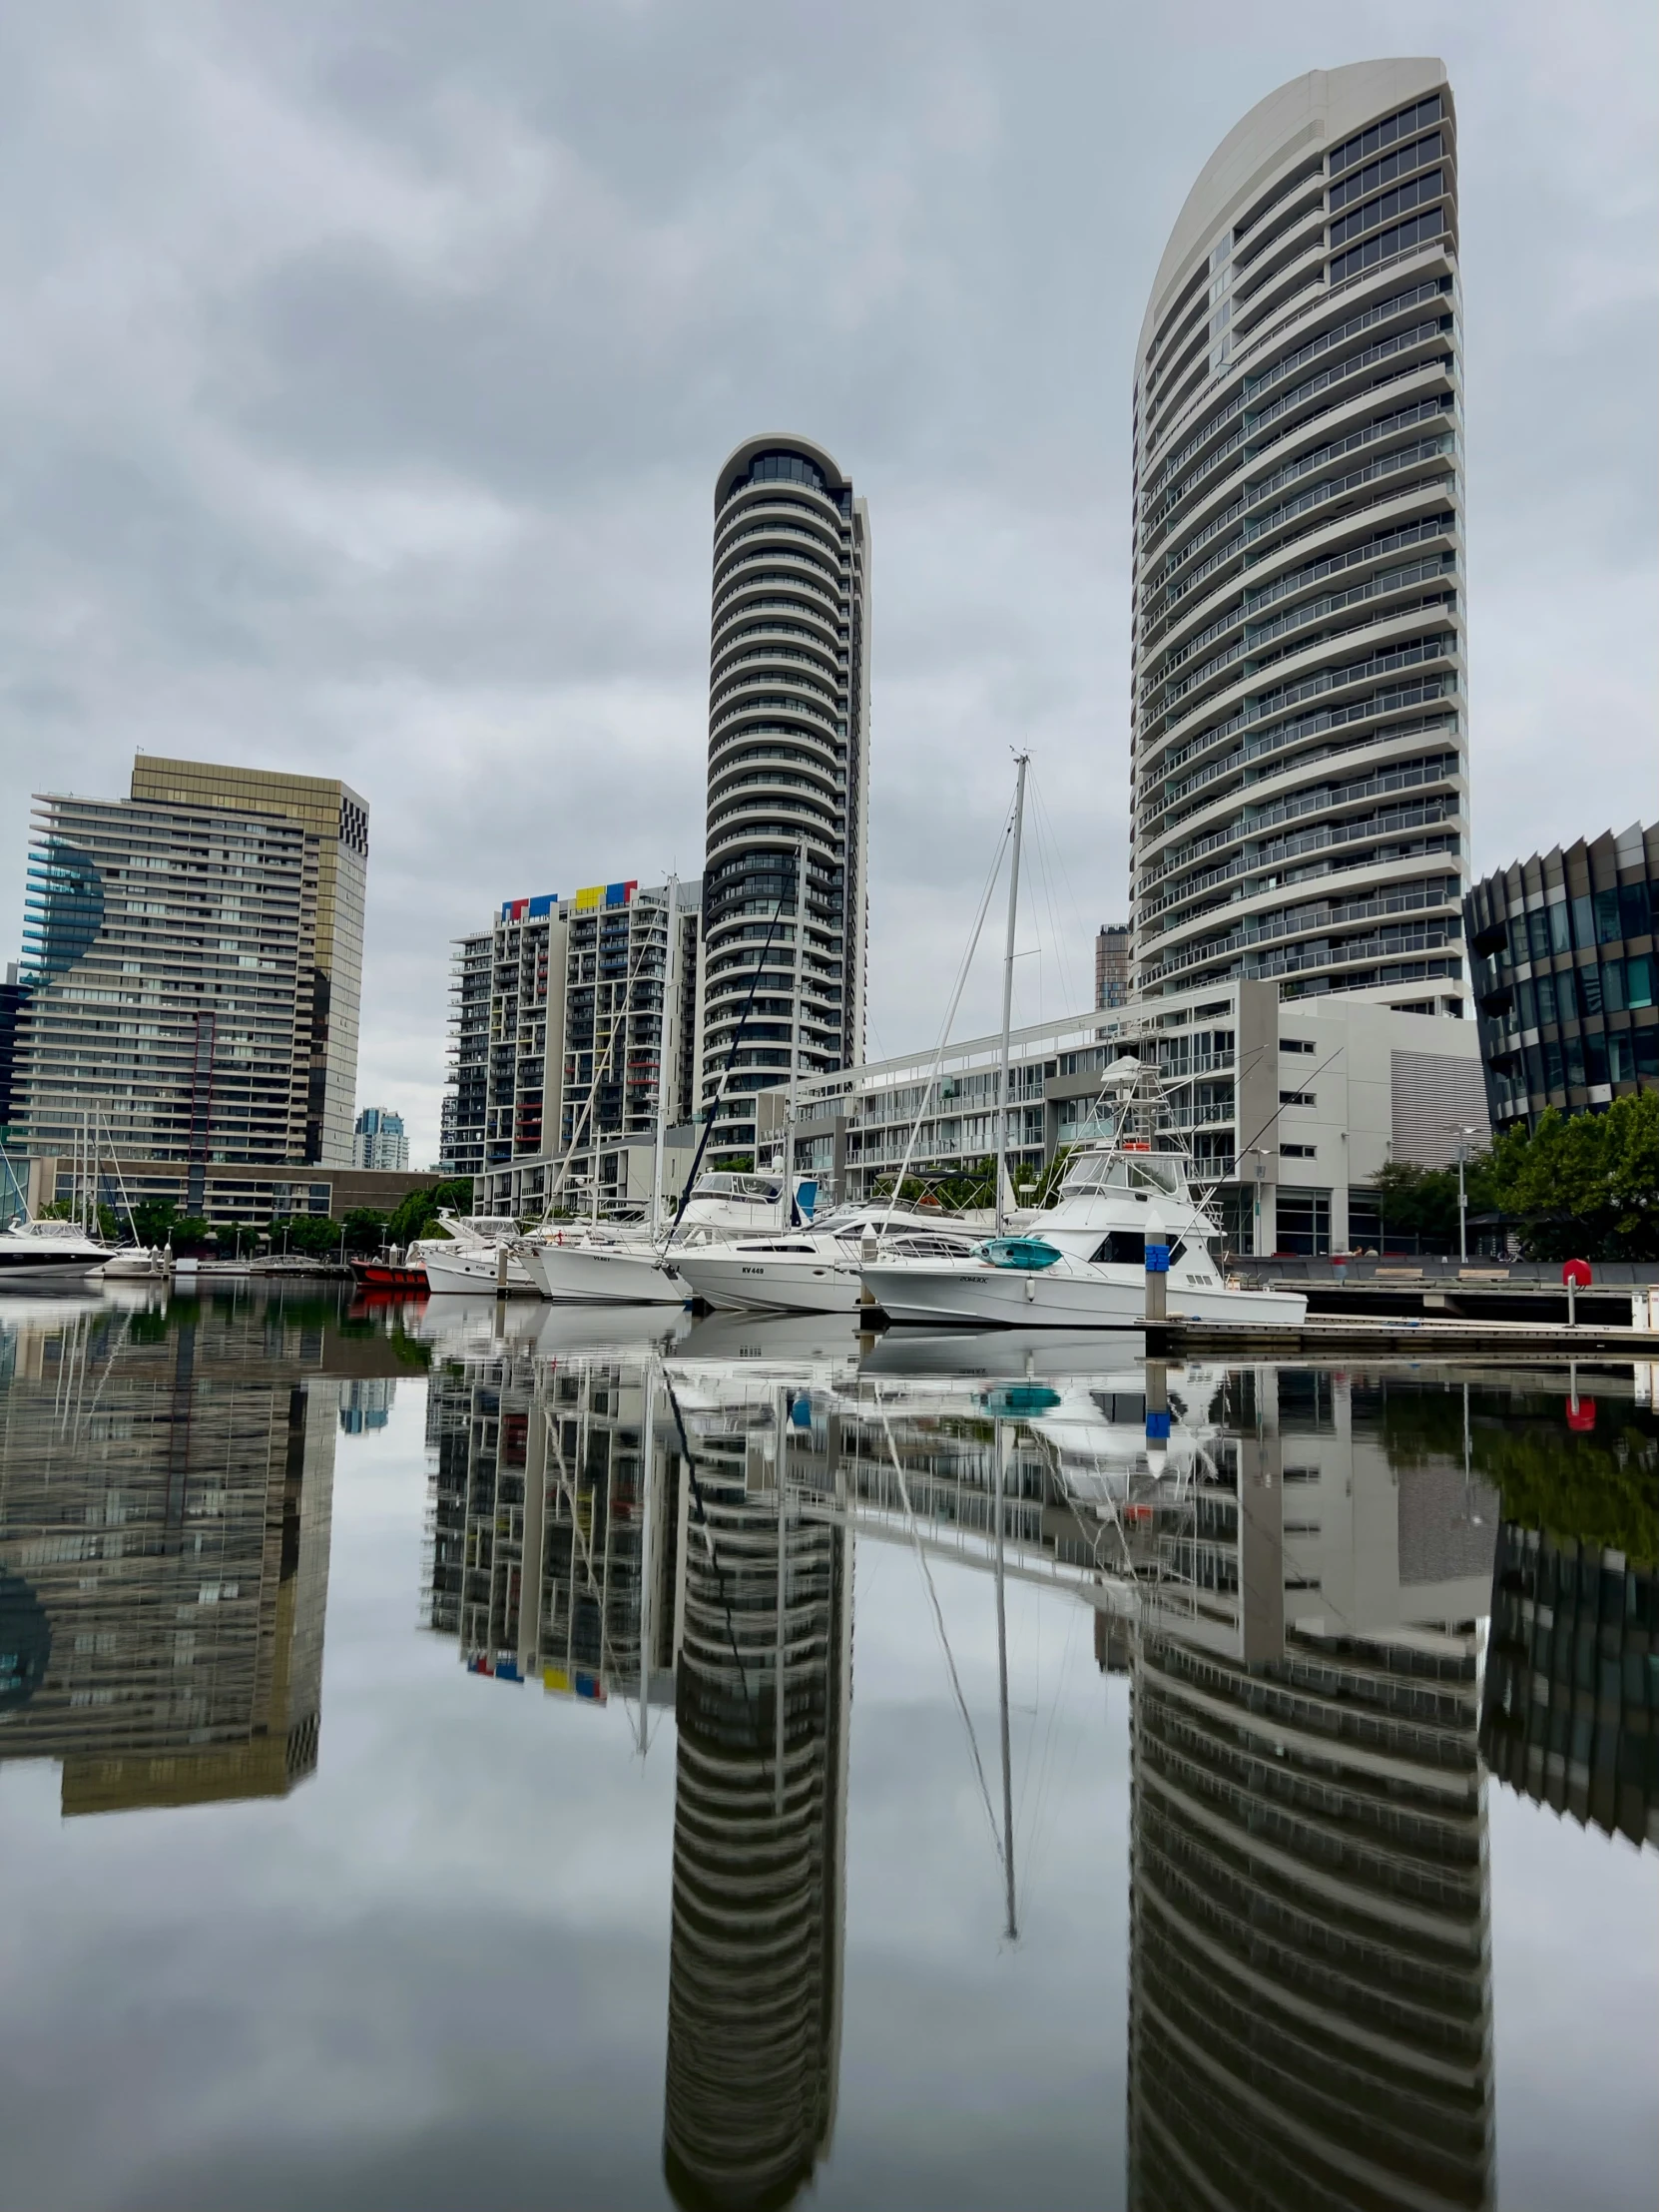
x=1125 y=1210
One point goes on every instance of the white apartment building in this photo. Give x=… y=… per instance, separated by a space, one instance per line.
x=789 y=781
x=559 y=1034
x=1300 y=746
x=1288 y=1106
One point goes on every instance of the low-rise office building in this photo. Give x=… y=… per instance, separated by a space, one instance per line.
x=1563 y=951
x=559 y=1035
x=226 y=1195
x=1289 y=1106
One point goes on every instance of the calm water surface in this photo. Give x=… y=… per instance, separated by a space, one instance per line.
x=1307 y=1857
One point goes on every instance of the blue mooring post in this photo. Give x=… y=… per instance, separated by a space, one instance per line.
x=1157 y=1280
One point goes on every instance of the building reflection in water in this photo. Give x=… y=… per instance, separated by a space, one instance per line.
x=1570 y=1714
x=166 y=1485
x=763 y=1690
x=1309 y=2002
x=1309 y=1982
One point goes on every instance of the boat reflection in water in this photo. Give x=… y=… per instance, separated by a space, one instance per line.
x=166 y=1485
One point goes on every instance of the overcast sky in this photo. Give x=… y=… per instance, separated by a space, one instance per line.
x=367 y=368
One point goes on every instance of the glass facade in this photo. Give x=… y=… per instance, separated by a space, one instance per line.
x=1562 y=959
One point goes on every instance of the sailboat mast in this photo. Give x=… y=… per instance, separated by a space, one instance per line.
x=648 y=1485
x=1002 y=1687
x=1008 y=997
x=663 y=1034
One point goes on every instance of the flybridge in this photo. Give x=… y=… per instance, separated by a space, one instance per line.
x=597 y=894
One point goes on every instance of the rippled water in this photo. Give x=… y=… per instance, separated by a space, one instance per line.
x=1307 y=1857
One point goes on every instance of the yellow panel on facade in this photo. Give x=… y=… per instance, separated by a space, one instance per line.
x=557 y=1680
x=593 y=896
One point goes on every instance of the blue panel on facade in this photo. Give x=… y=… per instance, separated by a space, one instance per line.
x=616 y=895
x=543 y=905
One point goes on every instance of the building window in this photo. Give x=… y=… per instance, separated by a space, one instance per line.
x=1304 y=1222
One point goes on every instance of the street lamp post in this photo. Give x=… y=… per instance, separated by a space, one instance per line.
x=1462 y=1131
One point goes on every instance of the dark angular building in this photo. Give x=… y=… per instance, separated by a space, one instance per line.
x=1564 y=974
x=1571 y=1708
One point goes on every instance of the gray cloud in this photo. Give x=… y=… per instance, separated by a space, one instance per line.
x=367 y=367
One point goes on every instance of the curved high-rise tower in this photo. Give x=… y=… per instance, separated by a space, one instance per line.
x=788 y=739
x=1300 y=735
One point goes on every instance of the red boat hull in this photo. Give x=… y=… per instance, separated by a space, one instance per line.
x=380 y=1275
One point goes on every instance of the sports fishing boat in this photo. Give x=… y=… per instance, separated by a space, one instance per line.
x=44 y=1252
x=1082 y=1264
x=816 y=1270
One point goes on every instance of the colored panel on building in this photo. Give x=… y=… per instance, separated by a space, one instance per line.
x=589 y=897
x=618 y=894
x=543 y=905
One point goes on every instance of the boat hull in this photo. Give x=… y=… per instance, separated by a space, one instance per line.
x=470 y=1273
x=733 y=1282
x=381 y=1275
x=601 y=1274
x=49 y=1269
x=980 y=1295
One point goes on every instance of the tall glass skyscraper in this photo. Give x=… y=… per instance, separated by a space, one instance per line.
x=1300 y=733
x=788 y=753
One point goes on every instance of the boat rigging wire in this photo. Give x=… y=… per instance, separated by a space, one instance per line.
x=939 y=1629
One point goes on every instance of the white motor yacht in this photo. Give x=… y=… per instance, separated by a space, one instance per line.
x=135 y=1264
x=1081 y=1264
x=622 y=1263
x=816 y=1271
x=43 y=1251
x=469 y=1256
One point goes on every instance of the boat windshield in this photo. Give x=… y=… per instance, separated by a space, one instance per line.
x=760 y=1188
x=1117 y=1171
